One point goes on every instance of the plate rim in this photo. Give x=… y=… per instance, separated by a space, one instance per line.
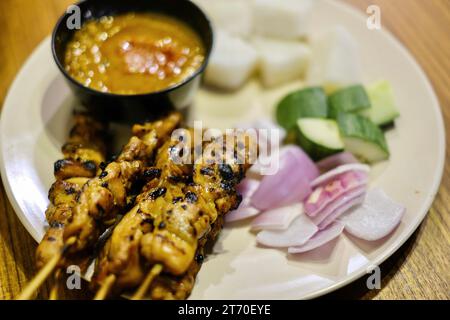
x=4 y=176
x=425 y=208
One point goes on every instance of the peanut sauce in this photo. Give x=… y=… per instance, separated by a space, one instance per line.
x=133 y=53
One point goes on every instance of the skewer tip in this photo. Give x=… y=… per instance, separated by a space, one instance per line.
x=102 y=293
x=142 y=290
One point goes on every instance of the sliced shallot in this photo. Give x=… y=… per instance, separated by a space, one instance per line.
x=330 y=175
x=338 y=207
x=300 y=231
x=340 y=211
x=320 y=238
x=266 y=161
x=246 y=189
x=277 y=219
x=290 y=184
x=325 y=194
x=305 y=165
x=376 y=218
x=241 y=214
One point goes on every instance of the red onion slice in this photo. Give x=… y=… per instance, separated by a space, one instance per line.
x=340 y=211
x=246 y=189
x=376 y=218
x=300 y=231
x=325 y=194
x=241 y=214
x=339 y=206
x=290 y=184
x=330 y=175
x=305 y=165
x=320 y=238
x=277 y=219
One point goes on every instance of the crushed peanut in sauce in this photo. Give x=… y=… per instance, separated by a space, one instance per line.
x=133 y=53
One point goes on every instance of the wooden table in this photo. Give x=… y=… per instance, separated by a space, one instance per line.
x=419 y=270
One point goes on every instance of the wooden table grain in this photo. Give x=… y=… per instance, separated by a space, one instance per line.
x=419 y=270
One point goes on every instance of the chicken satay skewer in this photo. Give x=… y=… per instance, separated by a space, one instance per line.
x=101 y=196
x=216 y=175
x=192 y=214
x=83 y=153
x=104 y=191
x=168 y=172
x=129 y=164
x=195 y=214
x=109 y=281
x=123 y=246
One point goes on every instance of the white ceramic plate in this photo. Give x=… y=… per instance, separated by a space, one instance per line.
x=36 y=117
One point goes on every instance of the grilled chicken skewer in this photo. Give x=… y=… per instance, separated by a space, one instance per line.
x=215 y=178
x=120 y=256
x=100 y=198
x=103 y=197
x=169 y=287
x=167 y=228
x=83 y=153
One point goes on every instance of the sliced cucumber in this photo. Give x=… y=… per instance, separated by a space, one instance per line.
x=362 y=137
x=319 y=137
x=350 y=99
x=383 y=110
x=309 y=102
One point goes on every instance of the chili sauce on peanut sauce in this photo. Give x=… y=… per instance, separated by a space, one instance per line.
x=133 y=53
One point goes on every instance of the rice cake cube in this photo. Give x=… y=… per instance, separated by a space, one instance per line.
x=232 y=62
x=281 y=61
x=234 y=16
x=286 y=19
x=336 y=60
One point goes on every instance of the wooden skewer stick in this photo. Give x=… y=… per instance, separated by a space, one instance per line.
x=39 y=278
x=55 y=288
x=142 y=290
x=102 y=293
x=43 y=273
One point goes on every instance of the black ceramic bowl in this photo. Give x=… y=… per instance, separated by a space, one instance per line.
x=134 y=108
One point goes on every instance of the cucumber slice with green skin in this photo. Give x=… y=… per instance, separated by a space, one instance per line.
x=350 y=99
x=305 y=103
x=319 y=137
x=383 y=110
x=363 y=138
